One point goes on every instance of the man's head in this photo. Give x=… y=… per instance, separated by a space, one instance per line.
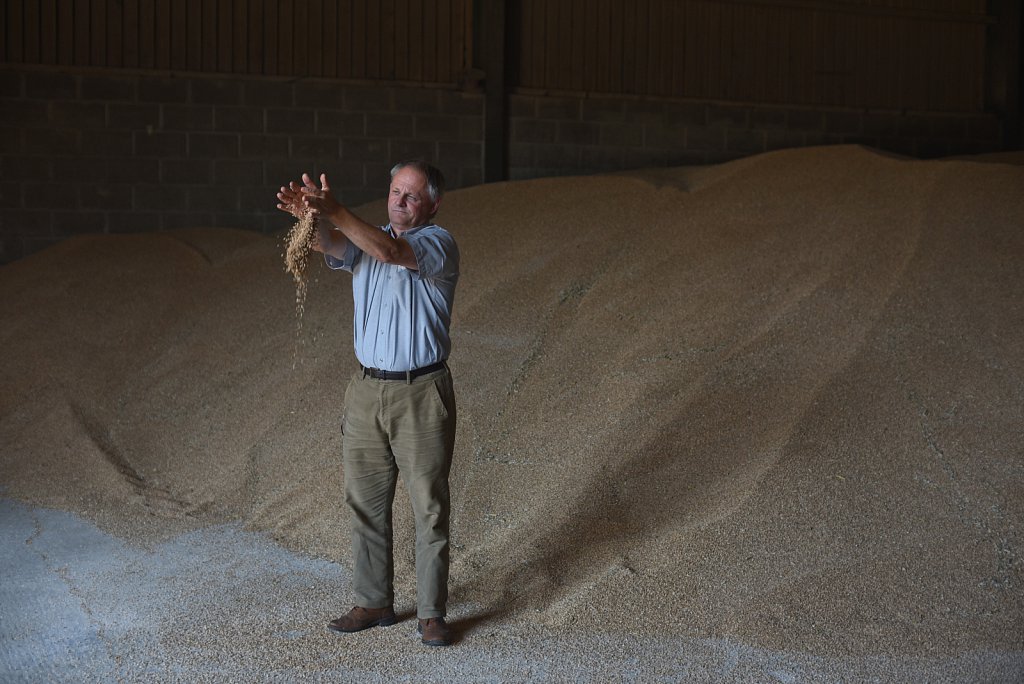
x=415 y=195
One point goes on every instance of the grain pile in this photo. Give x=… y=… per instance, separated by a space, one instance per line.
x=779 y=400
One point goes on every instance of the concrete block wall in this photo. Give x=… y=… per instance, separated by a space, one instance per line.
x=553 y=135
x=114 y=151
x=109 y=152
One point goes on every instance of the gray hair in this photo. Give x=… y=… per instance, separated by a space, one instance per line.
x=435 y=179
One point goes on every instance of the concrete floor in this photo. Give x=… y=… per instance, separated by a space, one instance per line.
x=223 y=604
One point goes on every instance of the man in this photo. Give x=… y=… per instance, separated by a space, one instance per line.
x=400 y=405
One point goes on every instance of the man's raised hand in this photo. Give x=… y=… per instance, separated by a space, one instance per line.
x=319 y=200
x=290 y=199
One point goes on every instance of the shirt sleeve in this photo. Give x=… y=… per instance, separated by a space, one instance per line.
x=437 y=255
x=348 y=262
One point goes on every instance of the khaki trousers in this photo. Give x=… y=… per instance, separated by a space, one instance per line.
x=392 y=427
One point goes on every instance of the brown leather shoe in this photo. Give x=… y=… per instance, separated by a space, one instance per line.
x=435 y=632
x=359 y=619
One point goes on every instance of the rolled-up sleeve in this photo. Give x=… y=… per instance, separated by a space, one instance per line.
x=437 y=255
x=347 y=263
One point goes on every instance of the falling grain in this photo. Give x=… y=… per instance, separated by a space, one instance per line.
x=298 y=245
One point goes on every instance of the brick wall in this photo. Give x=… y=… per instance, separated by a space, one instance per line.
x=101 y=151
x=114 y=151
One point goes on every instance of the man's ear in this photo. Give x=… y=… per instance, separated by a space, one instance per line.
x=437 y=205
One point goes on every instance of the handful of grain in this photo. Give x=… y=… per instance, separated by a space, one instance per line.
x=298 y=244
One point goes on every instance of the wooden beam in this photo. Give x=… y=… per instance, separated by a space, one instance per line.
x=859 y=7
x=491 y=39
x=1003 y=69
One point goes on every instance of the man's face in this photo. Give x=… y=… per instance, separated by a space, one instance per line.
x=409 y=203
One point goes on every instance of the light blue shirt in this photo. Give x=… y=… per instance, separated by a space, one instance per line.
x=402 y=317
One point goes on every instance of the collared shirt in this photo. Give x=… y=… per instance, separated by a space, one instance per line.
x=402 y=317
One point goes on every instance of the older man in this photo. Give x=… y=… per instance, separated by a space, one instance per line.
x=400 y=405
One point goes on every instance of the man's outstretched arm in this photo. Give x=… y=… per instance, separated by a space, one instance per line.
x=370 y=239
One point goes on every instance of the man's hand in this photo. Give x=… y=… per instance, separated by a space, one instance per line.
x=306 y=199
x=319 y=201
x=290 y=200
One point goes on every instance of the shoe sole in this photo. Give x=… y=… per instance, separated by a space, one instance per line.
x=435 y=643
x=383 y=622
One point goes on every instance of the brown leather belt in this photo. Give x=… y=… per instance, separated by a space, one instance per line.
x=408 y=376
